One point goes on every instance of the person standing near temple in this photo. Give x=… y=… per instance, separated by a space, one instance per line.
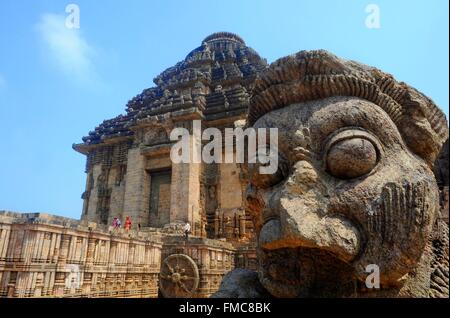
x=187 y=230
x=127 y=223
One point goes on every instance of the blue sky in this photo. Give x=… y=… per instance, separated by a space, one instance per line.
x=56 y=83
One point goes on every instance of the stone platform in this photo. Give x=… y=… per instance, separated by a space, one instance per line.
x=42 y=255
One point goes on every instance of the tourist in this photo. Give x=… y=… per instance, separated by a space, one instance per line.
x=187 y=230
x=118 y=223
x=114 y=223
x=127 y=223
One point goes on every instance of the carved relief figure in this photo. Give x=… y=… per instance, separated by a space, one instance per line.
x=155 y=136
x=354 y=187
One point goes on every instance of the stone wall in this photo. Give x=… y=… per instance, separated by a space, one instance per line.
x=49 y=256
x=43 y=255
x=213 y=258
x=160 y=198
x=106 y=168
x=135 y=204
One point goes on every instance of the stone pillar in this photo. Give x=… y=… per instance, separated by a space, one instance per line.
x=90 y=252
x=185 y=187
x=134 y=187
x=185 y=193
x=216 y=224
x=87 y=275
x=113 y=253
x=60 y=275
x=93 y=195
x=12 y=285
x=131 y=260
x=64 y=250
x=29 y=245
x=241 y=226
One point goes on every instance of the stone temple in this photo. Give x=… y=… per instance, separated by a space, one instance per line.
x=226 y=84
x=129 y=173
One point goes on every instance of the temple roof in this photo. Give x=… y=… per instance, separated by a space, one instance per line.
x=216 y=77
x=224 y=36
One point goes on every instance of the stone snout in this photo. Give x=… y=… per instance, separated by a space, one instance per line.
x=298 y=218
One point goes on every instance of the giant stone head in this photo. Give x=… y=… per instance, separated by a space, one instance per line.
x=354 y=191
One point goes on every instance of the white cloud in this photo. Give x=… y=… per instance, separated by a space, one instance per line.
x=67 y=47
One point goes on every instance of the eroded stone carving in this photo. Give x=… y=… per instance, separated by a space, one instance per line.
x=179 y=276
x=354 y=187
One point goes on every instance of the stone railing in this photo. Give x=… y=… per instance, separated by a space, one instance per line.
x=214 y=258
x=43 y=255
x=50 y=256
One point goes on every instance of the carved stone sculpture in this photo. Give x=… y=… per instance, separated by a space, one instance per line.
x=179 y=276
x=355 y=188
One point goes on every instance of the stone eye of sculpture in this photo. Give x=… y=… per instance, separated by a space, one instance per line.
x=351 y=153
x=354 y=186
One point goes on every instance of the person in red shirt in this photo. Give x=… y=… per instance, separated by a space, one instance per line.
x=127 y=223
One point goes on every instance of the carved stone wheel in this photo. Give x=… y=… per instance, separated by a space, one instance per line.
x=179 y=276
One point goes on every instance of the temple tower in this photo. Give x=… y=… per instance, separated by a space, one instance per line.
x=129 y=171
